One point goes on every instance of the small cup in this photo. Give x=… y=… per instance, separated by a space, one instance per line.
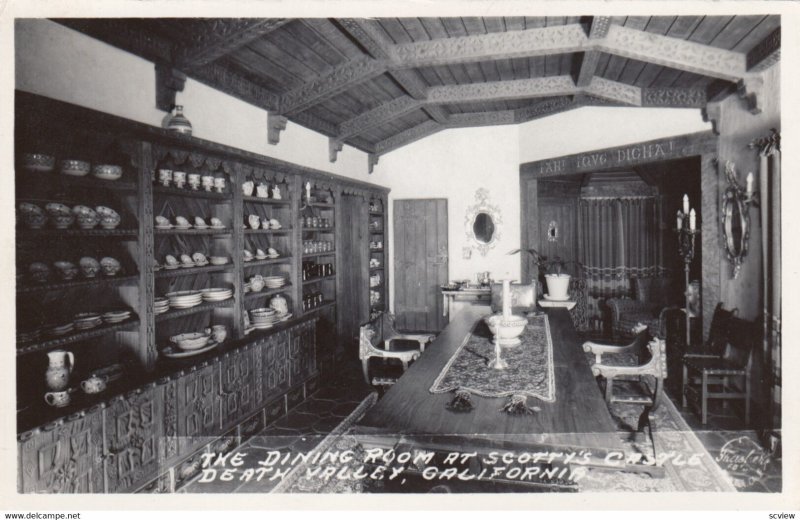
x=57 y=399
x=208 y=182
x=93 y=385
x=179 y=178
x=194 y=180
x=219 y=184
x=165 y=176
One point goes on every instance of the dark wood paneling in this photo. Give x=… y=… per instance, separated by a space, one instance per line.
x=420 y=262
x=238 y=386
x=198 y=408
x=275 y=360
x=562 y=211
x=354 y=295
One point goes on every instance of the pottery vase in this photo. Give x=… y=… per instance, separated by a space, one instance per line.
x=178 y=122
x=557 y=286
x=57 y=375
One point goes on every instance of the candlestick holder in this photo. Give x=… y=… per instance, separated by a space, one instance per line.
x=686 y=243
x=497 y=362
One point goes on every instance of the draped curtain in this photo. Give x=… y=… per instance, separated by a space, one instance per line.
x=619 y=239
x=770 y=203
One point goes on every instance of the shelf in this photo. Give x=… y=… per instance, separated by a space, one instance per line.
x=173 y=231
x=87 y=181
x=375 y=213
x=324 y=253
x=268 y=261
x=72 y=233
x=100 y=281
x=186 y=271
x=326 y=304
x=198 y=194
x=322 y=205
x=376 y=233
x=266 y=292
x=261 y=200
x=320 y=229
x=376 y=287
x=371 y=250
x=75 y=337
x=207 y=306
x=319 y=279
x=371 y=269
x=281 y=231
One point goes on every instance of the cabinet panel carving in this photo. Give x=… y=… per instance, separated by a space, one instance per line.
x=302 y=357
x=134 y=434
x=275 y=356
x=198 y=403
x=65 y=459
x=238 y=386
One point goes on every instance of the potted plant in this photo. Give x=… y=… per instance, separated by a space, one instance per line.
x=552 y=270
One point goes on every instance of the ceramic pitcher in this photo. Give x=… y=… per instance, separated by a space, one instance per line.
x=57 y=374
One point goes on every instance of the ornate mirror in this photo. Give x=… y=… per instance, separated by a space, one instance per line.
x=482 y=223
x=736 y=219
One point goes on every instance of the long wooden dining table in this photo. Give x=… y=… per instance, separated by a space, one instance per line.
x=410 y=417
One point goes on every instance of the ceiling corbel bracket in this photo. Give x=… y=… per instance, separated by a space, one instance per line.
x=169 y=81
x=275 y=125
x=712 y=113
x=372 y=161
x=334 y=147
x=750 y=89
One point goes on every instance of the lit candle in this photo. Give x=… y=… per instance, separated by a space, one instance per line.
x=680 y=220
x=506 y=299
x=685 y=204
x=750 y=184
x=692 y=220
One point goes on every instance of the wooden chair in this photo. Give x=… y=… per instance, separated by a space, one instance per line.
x=726 y=375
x=376 y=339
x=634 y=348
x=636 y=391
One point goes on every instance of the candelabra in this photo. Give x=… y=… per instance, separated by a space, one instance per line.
x=687 y=231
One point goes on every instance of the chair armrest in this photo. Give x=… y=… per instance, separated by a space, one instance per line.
x=598 y=349
x=620 y=306
x=700 y=355
x=422 y=339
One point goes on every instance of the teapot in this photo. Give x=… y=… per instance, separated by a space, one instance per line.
x=278 y=303
x=95 y=384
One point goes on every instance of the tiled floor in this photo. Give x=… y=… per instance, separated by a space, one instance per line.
x=310 y=422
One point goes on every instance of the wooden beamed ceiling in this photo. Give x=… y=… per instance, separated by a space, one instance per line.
x=379 y=84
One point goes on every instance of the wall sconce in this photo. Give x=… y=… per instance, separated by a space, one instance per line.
x=735 y=218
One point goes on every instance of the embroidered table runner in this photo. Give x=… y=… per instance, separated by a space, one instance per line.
x=530 y=371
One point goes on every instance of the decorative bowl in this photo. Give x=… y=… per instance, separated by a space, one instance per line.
x=171 y=260
x=107 y=172
x=67 y=270
x=190 y=340
x=87 y=217
x=199 y=259
x=254 y=221
x=162 y=221
x=39 y=272
x=38 y=162
x=89 y=266
x=75 y=167
x=55 y=209
x=507 y=331
x=32 y=215
x=109 y=219
x=62 y=221
x=247 y=188
x=218 y=260
x=110 y=266
x=182 y=222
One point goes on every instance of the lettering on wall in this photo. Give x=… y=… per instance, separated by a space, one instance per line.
x=616 y=157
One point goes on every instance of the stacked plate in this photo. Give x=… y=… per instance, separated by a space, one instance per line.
x=263 y=318
x=59 y=330
x=274 y=282
x=184 y=299
x=217 y=294
x=87 y=320
x=116 y=316
x=191 y=340
x=160 y=305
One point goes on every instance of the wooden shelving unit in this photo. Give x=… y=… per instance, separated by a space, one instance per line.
x=376 y=250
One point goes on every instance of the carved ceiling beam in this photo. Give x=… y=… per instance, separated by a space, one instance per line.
x=512 y=44
x=674 y=97
x=407 y=136
x=502 y=117
x=436 y=113
x=212 y=39
x=545 y=108
x=766 y=53
x=325 y=87
x=378 y=116
x=502 y=90
x=674 y=52
x=123 y=36
x=614 y=91
x=598 y=28
x=222 y=78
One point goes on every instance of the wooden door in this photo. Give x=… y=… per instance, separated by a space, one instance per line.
x=420 y=263
x=558 y=229
x=353 y=297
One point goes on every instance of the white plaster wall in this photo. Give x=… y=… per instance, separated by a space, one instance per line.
x=454 y=164
x=60 y=63
x=592 y=128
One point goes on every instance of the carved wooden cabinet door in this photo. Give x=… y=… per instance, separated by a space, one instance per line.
x=302 y=352
x=198 y=408
x=237 y=389
x=134 y=438
x=275 y=357
x=65 y=459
